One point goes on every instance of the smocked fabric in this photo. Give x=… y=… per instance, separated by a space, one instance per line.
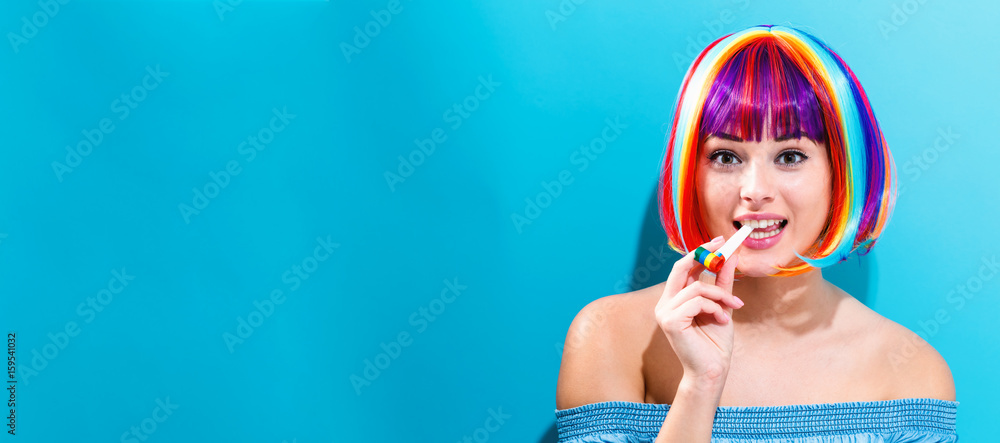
x=898 y=421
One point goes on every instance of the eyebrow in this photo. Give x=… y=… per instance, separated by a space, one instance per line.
x=725 y=136
x=789 y=136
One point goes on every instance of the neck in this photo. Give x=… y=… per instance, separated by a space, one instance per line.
x=796 y=305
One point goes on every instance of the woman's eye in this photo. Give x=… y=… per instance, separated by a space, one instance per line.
x=791 y=157
x=725 y=158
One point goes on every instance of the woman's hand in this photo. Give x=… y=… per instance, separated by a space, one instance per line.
x=695 y=313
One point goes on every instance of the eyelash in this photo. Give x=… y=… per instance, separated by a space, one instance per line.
x=713 y=157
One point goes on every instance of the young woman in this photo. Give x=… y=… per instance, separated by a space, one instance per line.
x=772 y=130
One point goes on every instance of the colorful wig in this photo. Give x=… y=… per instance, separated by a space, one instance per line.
x=798 y=86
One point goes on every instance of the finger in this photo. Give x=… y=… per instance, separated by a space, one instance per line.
x=725 y=278
x=682 y=271
x=707 y=277
x=698 y=306
x=702 y=289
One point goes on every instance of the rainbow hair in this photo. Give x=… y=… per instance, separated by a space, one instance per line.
x=804 y=89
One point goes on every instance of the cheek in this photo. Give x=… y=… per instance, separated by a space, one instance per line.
x=718 y=200
x=809 y=199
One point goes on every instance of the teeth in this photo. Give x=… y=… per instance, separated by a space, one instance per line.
x=760 y=224
x=768 y=234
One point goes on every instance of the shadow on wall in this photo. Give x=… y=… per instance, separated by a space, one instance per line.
x=654 y=259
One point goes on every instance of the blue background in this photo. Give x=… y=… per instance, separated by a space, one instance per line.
x=394 y=243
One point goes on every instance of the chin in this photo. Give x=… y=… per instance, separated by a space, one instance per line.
x=756 y=270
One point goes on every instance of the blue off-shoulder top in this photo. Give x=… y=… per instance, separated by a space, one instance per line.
x=903 y=420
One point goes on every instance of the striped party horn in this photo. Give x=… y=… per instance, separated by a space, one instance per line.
x=713 y=261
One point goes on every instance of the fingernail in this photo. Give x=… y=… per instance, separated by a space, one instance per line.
x=739 y=301
x=717 y=238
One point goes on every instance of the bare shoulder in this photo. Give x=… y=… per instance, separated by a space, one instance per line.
x=917 y=368
x=908 y=366
x=601 y=359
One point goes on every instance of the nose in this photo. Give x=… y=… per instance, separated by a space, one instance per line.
x=757 y=186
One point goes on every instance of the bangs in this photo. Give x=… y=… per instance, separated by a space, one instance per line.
x=761 y=87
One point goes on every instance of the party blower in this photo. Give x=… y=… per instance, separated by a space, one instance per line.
x=714 y=260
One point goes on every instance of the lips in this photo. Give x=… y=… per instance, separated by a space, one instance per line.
x=762 y=225
x=767 y=229
x=763 y=240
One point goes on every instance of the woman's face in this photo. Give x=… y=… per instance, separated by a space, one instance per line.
x=780 y=186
